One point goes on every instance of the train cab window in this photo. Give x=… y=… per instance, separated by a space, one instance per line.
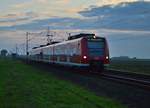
x=96 y=47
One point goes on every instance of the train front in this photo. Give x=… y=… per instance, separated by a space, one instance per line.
x=95 y=52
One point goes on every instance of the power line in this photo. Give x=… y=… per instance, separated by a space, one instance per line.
x=130 y=38
x=29 y=39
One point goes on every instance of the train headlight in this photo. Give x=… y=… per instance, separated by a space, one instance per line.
x=107 y=57
x=85 y=57
x=94 y=37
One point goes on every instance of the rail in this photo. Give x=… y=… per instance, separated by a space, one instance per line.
x=128 y=80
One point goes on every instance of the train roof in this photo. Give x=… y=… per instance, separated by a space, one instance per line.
x=54 y=42
x=58 y=43
x=80 y=35
x=71 y=39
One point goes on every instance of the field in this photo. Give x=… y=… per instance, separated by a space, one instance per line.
x=137 y=66
x=23 y=86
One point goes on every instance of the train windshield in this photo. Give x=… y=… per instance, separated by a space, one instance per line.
x=96 y=47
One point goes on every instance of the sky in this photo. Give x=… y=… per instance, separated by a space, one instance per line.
x=125 y=23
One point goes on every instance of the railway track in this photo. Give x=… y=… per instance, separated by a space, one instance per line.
x=139 y=80
x=128 y=74
x=128 y=80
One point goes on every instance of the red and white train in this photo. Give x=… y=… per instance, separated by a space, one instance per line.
x=82 y=50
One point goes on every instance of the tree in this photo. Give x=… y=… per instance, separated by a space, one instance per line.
x=4 y=52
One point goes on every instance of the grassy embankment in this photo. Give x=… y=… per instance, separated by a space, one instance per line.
x=22 y=86
x=137 y=66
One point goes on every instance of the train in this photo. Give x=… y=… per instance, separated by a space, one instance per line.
x=84 y=51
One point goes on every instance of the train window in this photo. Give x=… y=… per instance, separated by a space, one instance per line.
x=96 y=48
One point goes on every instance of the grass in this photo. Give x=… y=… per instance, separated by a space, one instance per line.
x=137 y=66
x=22 y=86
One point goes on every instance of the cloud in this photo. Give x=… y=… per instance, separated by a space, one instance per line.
x=53 y=23
x=17 y=18
x=21 y=5
x=42 y=1
x=126 y=16
x=115 y=2
x=48 y=8
x=63 y=1
x=56 y=1
x=133 y=15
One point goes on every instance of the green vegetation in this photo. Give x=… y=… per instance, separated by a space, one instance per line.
x=22 y=86
x=137 y=66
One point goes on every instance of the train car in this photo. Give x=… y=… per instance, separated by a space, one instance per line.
x=83 y=50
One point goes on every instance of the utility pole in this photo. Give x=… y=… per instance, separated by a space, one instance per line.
x=49 y=37
x=16 y=49
x=27 y=43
